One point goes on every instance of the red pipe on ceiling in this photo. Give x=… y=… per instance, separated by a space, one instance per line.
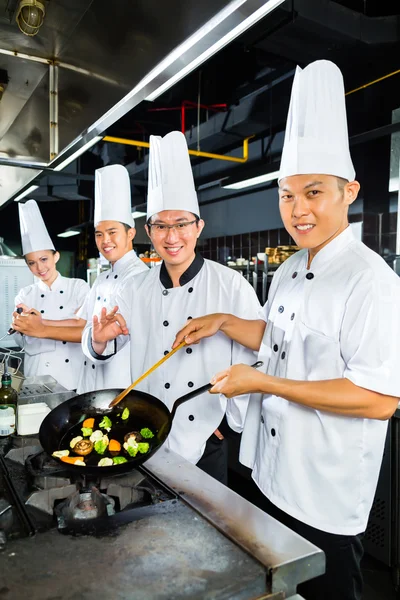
x=188 y=104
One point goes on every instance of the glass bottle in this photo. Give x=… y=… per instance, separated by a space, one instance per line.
x=8 y=406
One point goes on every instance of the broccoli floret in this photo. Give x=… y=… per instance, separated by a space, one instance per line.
x=143 y=447
x=106 y=423
x=146 y=433
x=118 y=460
x=101 y=445
x=87 y=431
x=125 y=414
x=132 y=450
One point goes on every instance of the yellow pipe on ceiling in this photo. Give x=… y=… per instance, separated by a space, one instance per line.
x=198 y=153
x=362 y=87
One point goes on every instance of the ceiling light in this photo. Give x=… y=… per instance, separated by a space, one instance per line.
x=68 y=233
x=77 y=153
x=245 y=183
x=29 y=190
x=30 y=16
x=178 y=52
x=137 y=214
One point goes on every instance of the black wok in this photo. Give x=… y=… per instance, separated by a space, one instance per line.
x=145 y=411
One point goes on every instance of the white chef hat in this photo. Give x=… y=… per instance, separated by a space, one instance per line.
x=34 y=235
x=316 y=138
x=171 y=184
x=112 y=195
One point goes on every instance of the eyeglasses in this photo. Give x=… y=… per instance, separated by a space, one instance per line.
x=181 y=228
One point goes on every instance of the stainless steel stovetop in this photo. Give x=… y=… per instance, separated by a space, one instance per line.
x=164 y=531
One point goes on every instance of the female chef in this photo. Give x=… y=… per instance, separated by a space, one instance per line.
x=54 y=299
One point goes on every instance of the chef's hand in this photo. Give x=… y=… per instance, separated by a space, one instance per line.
x=29 y=322
x=108 y=326
x=200 y=328
x=237 y=380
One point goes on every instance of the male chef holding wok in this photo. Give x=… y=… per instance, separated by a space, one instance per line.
x=329 y=336
x=153 y=306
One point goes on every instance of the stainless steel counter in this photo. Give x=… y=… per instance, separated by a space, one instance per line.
x=288 y=558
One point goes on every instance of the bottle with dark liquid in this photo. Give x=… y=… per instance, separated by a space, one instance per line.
x=8 y=406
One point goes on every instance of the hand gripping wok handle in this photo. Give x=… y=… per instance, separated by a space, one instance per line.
x=199 y=391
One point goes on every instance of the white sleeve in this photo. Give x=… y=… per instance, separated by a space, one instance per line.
x=370 y=334
x=246 y=306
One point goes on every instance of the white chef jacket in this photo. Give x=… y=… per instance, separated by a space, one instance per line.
x=107 y=284
x=155 y=311
x=339 y=319
x=61 y=360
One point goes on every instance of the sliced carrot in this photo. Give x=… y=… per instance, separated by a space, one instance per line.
x=88 y=423
x=114 y=446
x=71 y=459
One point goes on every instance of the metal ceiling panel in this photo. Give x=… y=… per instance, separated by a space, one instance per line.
x=111 y=56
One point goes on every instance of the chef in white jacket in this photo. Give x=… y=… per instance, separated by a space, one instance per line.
x=155 y=305
x=114 y=233
x=329 y=337
x=53 y=298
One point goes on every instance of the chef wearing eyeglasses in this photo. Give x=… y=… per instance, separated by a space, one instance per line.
x=155 y=305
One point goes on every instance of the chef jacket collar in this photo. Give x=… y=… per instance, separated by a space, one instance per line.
x=55 y=286
x=120 y=264
x=187 y=276
x=328 y=252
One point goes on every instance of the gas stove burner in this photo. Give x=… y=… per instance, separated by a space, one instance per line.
x=82 y=508
x=87 y=505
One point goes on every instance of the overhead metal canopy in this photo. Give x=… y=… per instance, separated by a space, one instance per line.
x=107 y=58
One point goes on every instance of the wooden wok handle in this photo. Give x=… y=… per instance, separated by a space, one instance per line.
x=201 y=390
x=153 y=368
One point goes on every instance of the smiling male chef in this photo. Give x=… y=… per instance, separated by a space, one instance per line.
x=114 y=233
x=329 y=337
x=185 y=286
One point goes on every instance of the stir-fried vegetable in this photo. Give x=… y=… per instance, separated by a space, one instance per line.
x=60 y=453
x=74 y=460
x=96 y=436
x=87 y=431
x=106 y=423
x=101 y=445
x=135 y=442
x=133 y=447
x=105 y=462
x=114 y=446
x=83 y=447
x=88 y=423
x=119 y=460
x=143 y=447
x=75 y=440
x=146 y=433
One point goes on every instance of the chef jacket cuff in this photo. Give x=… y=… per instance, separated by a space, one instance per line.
x=102 y=356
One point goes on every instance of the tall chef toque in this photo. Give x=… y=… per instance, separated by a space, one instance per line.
x=316 y=138
x=171 y=184
x=34 y=235
x=112 y=195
